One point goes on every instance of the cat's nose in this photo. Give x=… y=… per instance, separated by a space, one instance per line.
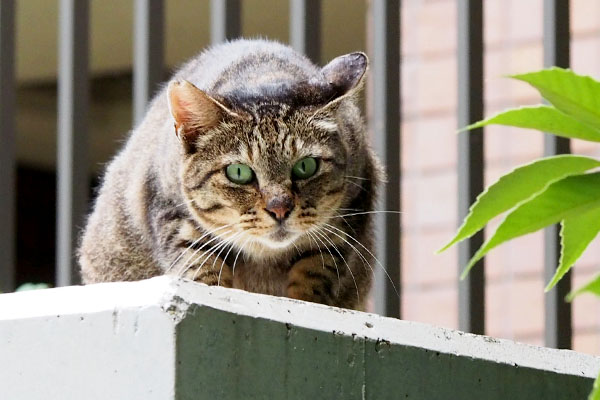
x=280 y=207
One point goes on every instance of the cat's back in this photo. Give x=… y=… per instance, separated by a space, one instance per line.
x=251 y=66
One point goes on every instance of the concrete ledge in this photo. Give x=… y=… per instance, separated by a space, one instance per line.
x=171 y=339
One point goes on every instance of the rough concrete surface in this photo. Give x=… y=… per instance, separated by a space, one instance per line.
x=166 y=338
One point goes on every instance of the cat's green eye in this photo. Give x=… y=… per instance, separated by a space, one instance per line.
x=304 y=168
x=239 y=173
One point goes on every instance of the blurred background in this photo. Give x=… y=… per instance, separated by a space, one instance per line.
x=512 y=33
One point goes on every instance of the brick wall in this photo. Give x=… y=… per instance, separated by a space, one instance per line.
x=513 y=30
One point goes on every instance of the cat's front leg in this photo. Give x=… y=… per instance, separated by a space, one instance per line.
x=316 y=278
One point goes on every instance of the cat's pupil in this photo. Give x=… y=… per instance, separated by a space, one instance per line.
x=239 y=171
x=303 y=167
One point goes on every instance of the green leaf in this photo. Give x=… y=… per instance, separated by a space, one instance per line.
x=575 y=95
x=562 y=199
x=576 y=234
x=543 y=118
x=592 y=286
x=516 y=186
x=595 y=395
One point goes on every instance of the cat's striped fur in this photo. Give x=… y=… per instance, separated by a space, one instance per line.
x=166 y=205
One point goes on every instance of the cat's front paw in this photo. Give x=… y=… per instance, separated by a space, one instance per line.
x=212 y=277
x=313 y=279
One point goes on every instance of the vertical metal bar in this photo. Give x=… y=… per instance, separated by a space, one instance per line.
x=148 y=53
x=7 y=146
x=72 y=160
x=471 y=291
x=558 y=321
x=385 y=126
x=305 y=28
x=225 y=20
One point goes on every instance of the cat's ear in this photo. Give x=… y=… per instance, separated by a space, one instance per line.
x=193 y=110
x=345 y=74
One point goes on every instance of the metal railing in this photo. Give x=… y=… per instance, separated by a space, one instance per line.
x=558 y=318
x=7 y=145
x=305 y=36
x=471 y=291
x=385 y=128
x=72 y=148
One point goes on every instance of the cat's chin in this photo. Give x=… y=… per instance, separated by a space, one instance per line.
x=278 y=240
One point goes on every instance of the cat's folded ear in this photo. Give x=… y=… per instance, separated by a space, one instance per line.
x=193 y=110
x=345 y=75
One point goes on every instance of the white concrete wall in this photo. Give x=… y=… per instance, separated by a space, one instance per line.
x=171 y=339
x=98 y=342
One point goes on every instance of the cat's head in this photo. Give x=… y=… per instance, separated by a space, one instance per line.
x=266 y=170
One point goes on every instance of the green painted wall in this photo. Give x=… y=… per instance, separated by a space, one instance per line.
x=229 y=356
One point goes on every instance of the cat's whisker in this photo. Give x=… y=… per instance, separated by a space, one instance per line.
x=310 y=241
x=310 y=235
x=371 y=254
x=189 y=261
x=195 y=242
x=341 y=209
x=367 y=212
x=238 y=254
x=345 y=262
x=357 y=185
x=342 y=216
x=345 y=221
x=312 y=249
x=209 y=253
x=336 y=215
x=349 y=226
x=205 y=257
x=225 y=258
x=191 y=257
x=191 y=246
x=318 y=235
x=357 y=177
x=229 y=242
x=184 y=202
x=362 y=257
x=297 y=249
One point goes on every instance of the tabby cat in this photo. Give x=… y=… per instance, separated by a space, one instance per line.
x=250 y=170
